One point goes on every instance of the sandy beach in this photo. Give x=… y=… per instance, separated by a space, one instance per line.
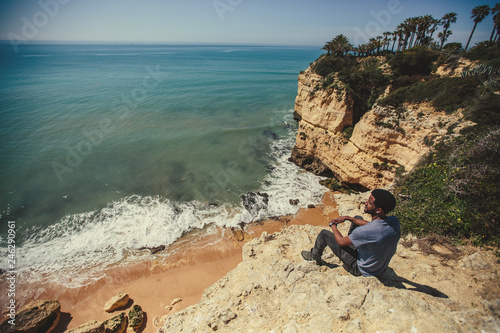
x=198 y=261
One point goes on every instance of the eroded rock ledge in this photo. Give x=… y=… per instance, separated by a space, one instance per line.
x=382 y=143
x=274 y=289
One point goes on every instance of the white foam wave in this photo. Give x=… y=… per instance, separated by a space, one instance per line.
x=75 y=250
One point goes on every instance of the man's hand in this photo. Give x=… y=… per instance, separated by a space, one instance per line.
x=339 y=219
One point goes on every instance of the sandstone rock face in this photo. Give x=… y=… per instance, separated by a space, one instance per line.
x=36 y=316
x=121 y=299
x=455 y=68
x=116 y=324
x=384 y=141
x=90 y=327
x=274 y=290
x=328 y=109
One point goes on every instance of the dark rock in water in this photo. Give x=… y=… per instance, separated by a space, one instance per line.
x=213 y=204
x=154 y=249
x=270 y=134
x=296 y=116
x=294 y=202
x=254 y=202
x=310 y=163
x=311 y=206
x=36 y=316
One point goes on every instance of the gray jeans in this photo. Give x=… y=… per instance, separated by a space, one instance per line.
x=347 y=254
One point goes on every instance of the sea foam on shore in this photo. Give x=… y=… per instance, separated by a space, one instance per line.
x=77 y=250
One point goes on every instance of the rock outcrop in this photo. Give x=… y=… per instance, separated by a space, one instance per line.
x=36 y=316
x=92 y=326
x=135 y=317
x=115 y=324
x=385 y=140
x=274 y=290
x=118 y=301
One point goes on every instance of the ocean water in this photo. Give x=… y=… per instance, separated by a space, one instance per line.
x=109 y=148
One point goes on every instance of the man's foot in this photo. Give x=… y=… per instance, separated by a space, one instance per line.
x=307 y=255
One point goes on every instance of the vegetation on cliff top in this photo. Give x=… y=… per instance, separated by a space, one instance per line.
x=455 y=190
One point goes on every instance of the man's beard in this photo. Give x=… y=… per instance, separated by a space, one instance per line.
x=371 y=212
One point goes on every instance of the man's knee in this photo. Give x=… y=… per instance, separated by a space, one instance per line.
x=326 y=234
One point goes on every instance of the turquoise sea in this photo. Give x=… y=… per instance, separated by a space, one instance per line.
x=109 y=148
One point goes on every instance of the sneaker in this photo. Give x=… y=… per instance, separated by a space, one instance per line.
x=307 y=255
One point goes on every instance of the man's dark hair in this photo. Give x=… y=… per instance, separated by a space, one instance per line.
x=384 y=199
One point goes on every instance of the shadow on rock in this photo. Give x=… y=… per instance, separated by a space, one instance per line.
x=391 y=279
x=64 y=321
x=329 y=264
x=124 y=307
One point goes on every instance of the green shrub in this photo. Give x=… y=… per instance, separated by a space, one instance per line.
x=487 y=52
x=347 y=132
x=485 y=109
x=334 y=185
x=415 y=61
x=446 y=94
x=365 y=83
x=452 y=47
x=330 y=78
x=330 y=64
x=455 y=191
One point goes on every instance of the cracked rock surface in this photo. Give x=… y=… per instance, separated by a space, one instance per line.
x=274 y=290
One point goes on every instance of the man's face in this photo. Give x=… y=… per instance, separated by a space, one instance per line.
x=370 y=205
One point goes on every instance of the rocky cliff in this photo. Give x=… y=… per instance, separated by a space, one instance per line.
x=384 y=141
x=428 y=288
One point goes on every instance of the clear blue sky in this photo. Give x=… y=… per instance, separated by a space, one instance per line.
x=276 y=22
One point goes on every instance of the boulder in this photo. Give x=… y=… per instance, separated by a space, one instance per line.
x=36 y=316
x=135 y=317
x=121 y=299
x=116 y=324
x=90 y=327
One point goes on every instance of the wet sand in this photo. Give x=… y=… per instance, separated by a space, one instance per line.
x=198 y=261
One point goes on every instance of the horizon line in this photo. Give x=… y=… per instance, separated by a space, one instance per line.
x=89 y=42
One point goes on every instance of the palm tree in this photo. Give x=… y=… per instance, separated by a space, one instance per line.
x=407 y=33
x=395 y=37
x=443 y=36
x=478 y=14
x=387 y=37
x=341 y=45
x=412 y=28
x=495 y=11
x=497 y=24
x=424 y=24
x=328 y=47
x=447 y=20
x=434 y=24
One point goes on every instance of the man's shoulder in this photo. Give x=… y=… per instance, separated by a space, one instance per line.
x=391 y=218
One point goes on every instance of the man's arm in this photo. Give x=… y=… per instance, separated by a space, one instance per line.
x=341 y=240
x=358 y=222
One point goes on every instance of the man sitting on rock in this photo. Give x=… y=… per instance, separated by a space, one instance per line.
x=369 y=246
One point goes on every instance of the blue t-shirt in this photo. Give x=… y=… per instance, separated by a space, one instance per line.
x=376 y=242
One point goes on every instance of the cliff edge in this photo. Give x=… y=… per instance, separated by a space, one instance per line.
x=369 y=153
x=274 y=290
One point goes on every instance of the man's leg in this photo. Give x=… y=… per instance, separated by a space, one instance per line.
x=347 y=254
